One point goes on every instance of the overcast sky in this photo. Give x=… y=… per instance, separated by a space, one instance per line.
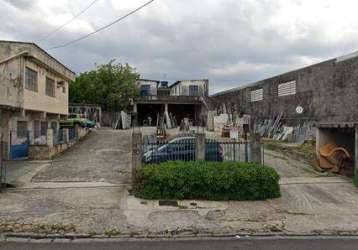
x=230 y=42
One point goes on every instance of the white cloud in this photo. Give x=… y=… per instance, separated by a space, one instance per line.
x=228 y=41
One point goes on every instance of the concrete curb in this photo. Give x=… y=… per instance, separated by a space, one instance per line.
x=34 y=236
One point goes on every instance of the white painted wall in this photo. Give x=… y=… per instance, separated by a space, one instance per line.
x=39 y=101
x=182 y=88
x=153 y=86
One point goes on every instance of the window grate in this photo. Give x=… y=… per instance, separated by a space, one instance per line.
x=31 y=79
x=257 y=95
x=21 y=130
x=287 y=88
x=50 y=87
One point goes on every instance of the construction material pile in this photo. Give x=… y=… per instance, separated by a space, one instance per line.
x=275 y=129
x=121 y=120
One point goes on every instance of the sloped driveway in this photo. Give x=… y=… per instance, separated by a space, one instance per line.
x=104 y=156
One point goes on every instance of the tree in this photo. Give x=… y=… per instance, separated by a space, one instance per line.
x=110 y=85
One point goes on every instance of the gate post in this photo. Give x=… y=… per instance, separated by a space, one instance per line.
x=49 y=138
x=200 y=147
x=256 y=155
x=65 y=135
x=136 y=153
x=356 y=155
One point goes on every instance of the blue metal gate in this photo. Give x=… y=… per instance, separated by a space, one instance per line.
x=19 y=147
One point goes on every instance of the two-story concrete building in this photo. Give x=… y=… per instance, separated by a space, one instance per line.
x=33 y=95
x=182 y=99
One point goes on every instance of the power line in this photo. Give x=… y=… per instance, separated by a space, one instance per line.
x=102 y=28
x=68 y=22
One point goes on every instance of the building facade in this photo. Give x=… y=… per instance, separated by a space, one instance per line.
x=324 y=92
x=182 y=99
x=33 y=95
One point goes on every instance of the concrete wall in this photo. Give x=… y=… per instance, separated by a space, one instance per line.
x=39 y=100
x=327 y=91
x=9 y=48
x=19 y=104
x=11 y=91
x=12 y=78
x=46 y=152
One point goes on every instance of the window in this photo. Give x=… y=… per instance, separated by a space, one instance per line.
x=287 y=88
x=54 y=126
x=37 y=129
x=31 y=79
x=50 y=87
x=257 y=95
x=62 y=84
x=145 y=90
x=44 y=126
x=21 y=130
x=193 y=90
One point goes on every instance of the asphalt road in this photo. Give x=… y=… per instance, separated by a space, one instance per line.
x=305 y=243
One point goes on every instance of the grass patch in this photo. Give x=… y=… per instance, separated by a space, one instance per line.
x=207 y=180
x=306 y=151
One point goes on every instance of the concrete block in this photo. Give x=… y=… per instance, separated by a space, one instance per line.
x=256 y=155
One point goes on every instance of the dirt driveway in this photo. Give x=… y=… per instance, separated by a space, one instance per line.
x=104 y=156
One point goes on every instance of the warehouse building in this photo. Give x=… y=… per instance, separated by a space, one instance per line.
x=325 y=94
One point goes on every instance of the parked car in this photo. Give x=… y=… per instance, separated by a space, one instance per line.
x=77 y=119
x=181 y=149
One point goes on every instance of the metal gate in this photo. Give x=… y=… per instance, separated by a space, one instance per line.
x=19 y=147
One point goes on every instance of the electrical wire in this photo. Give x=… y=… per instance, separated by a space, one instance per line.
x=102 y=28
x=68 y=22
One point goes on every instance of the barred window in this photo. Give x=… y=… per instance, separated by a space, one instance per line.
x=31 y=79
x=257 y=95
x=193 y=90
x=287 y=88
x=21 y=130
x=44 y=126
x=50 y=87
x=37 y=129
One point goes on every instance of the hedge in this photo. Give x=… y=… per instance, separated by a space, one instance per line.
x=207 y=180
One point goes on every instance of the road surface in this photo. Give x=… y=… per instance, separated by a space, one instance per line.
x=306 y=243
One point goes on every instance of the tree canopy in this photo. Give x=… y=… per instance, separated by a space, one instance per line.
x=110 y=85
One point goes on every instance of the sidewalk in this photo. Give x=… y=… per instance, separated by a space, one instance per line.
x=324 y=208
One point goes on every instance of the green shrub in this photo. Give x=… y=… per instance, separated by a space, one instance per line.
x=355 y=181
x=207 y=180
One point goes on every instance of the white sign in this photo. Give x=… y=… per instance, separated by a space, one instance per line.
x=299 y=109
